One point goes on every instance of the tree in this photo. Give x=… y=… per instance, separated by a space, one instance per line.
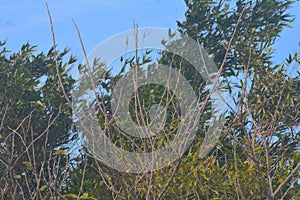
x=257 y=156
x=259 y=131
x=36 y=123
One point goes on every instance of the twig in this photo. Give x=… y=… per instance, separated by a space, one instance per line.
x=286 y=180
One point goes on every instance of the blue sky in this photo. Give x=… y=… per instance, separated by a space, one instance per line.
x=22 y=21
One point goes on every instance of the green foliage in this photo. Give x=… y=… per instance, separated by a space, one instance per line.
x=256 y=157
x=259 y=147
x=36 y=120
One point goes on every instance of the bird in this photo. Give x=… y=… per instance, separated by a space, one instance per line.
x=180 y=108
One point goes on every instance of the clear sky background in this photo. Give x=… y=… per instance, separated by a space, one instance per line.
x=22 y=21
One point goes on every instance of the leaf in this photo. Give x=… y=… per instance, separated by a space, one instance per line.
x=28 y=165
x=195 y=183
x=250 y=168
x=73 y=196
x=17 y=176
x=39 y=103
x=65 y=72
x=291 y=102
x=67 y=112
x=84 y=196
x=43 y=188
x=205 y=177
x=61 y=152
